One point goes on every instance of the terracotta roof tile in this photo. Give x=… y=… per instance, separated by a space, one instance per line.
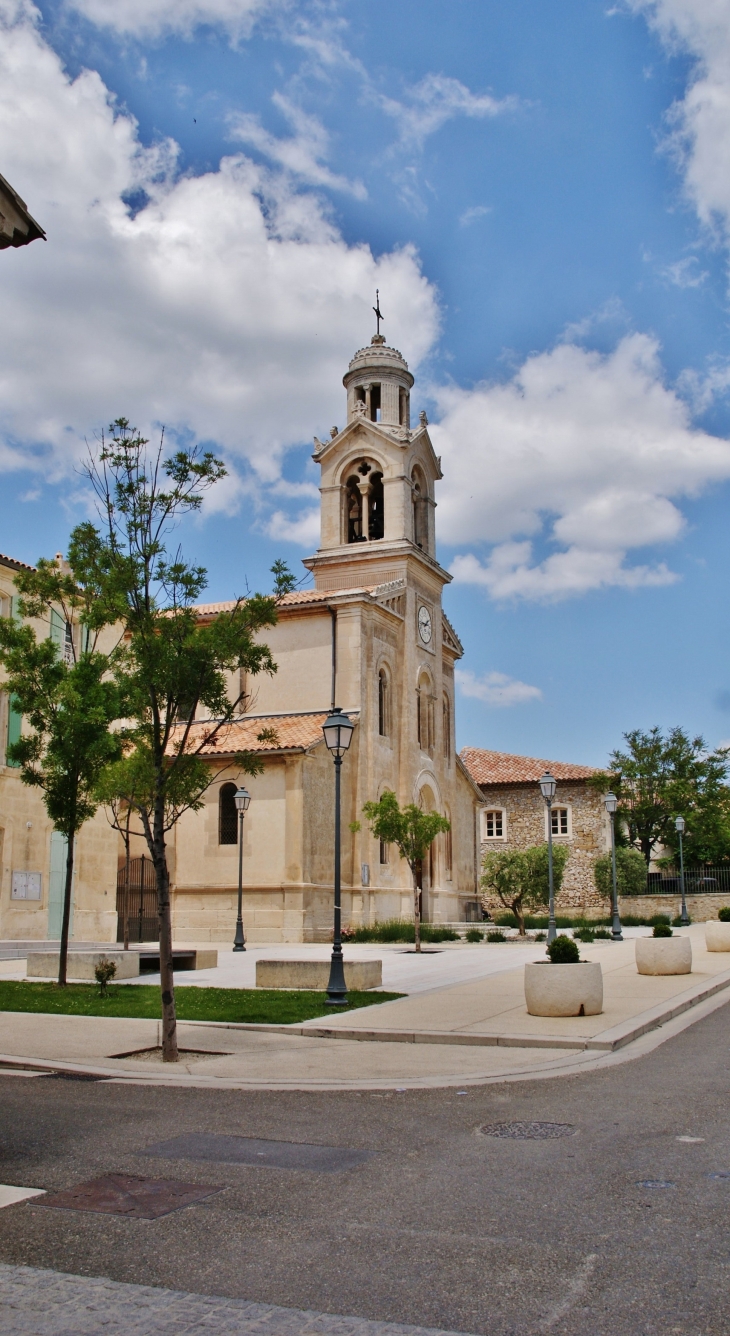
x=293 y=732
x=13 y=564
x=296 y=598
x=491 y=767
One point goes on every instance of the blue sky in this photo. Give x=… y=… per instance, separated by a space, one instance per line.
x=542 y=195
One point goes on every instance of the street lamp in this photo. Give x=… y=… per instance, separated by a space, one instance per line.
x=241 y=798
x=611 y=804
x=679 y=827
x=338 y=731
x=547 y=788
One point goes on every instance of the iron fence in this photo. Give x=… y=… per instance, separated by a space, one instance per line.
x=703 y=880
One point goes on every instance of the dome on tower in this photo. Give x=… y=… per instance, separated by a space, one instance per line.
x=378 y=385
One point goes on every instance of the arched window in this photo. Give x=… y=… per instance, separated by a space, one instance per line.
x=376 y=526
x=227 y=815
x=446 y=725
x=420 y=509
x=425 y=719
x=383 y=703
x=448 y=849
x=353 y=511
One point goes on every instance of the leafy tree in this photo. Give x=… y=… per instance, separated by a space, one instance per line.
x=70 y=709
x=520 y=877
x=630 y=873
x=412 y=831
x=170 y=662
x=659 y=777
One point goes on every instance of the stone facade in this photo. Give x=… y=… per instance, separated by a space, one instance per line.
x=511 y=793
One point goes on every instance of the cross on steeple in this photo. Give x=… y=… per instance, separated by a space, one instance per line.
x=377 y=310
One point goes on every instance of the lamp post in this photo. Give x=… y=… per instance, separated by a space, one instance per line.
x=338 y=731
x=679 y=827
x=241 y=798
x=547 y=788
x=611 y=804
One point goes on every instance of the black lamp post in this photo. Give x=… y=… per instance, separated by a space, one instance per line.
x=547 y=788
x=338 y=731
x=679 y=827
x=611 y=803
x=241 y=798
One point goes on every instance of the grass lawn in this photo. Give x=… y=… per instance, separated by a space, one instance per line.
x=269 y=1006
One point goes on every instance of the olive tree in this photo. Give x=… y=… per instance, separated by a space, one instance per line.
x=412 y=831
x=520 y=877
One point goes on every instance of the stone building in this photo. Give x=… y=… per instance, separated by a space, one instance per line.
x=514 y=816
x=32 y=854
x=17 y=228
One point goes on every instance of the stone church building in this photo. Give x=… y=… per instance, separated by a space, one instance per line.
x=370 y=636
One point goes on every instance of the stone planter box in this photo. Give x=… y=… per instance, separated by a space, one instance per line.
x=80 y=965
x=717 y=936
x=564 y=990
x=664 y=955
x=359 y=974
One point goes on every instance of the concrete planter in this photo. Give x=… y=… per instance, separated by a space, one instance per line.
x=564 y=990
x=80 y=965
x=664 y=955
x=717 y=936
x=359 y=974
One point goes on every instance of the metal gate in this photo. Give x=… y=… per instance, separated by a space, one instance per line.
x=137 y=901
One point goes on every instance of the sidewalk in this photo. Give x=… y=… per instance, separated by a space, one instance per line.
x=470 y=1032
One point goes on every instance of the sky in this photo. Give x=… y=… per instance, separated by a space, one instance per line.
x=541 y=194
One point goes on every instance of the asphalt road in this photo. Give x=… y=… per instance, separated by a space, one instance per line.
x=440 y=1227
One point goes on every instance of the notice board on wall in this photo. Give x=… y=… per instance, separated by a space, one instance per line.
x=26 y=886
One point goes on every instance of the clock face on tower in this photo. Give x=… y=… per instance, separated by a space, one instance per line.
x=424 y=625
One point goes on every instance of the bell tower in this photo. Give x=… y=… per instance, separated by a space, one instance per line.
x=378 y=477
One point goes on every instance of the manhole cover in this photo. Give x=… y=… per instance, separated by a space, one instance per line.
x=264 y=1154
x=125 y=1194
x=528 y=1131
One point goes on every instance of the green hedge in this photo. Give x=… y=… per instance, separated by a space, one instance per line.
x=400 y=930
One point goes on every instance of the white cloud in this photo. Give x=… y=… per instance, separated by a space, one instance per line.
x=471 y=215
x=496 y=689
x=701 y=119
x=435 y=100
x=587 y=451
x=302 y=529
x=686 y=273
x=227 y=308
x=302 y=154
x=158 y=18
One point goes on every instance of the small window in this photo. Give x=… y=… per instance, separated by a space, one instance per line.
x=227 y=815
x=383 y=704
x=494 y=824
x=425 y=714
x=447 y=728
x=353 y=503
x=448 y=851
x=383 y=853
x=560 y=822
x=374 y=403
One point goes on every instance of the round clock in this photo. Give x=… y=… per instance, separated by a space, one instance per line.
x=424 y=625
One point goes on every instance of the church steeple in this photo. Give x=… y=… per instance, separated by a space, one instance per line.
x=378 y=475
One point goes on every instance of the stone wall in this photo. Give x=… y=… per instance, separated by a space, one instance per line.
x=526 y=826
x=699 y=907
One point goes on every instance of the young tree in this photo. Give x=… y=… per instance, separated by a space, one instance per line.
x=412 y=832
x=520 y=877
x=70 y=708
x=170 y=662
x=661 y=776
x=630 y=873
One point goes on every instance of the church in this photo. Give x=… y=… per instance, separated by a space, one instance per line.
x=371 y=637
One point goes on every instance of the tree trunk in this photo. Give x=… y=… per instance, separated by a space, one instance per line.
x=167 y=982
x=63 y=952
x=519 y=914
x=126 y=883
x=417 y=910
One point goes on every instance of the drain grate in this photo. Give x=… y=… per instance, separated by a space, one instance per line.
x=130 y=1196
x=655 y=1183
x=528 y=1131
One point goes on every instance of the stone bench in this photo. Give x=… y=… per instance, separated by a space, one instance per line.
x=359 y=974
x=80 y=965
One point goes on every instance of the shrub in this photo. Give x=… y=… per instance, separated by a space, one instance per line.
x=602 y=934
x=563 y=951
x=662 y=930
x=677 y=922
x=519 y=877
x=540 y=936
x=496 y=936
x=474 y=935
x=724 y=914
x=584 y=934
x=630 y=873
x=104 y=971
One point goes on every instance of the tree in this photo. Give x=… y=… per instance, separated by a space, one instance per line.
x=412 y=831
x=70 y=709
x=630 y=873
x=520 y=877
x=170 y=662
x=659 y=777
